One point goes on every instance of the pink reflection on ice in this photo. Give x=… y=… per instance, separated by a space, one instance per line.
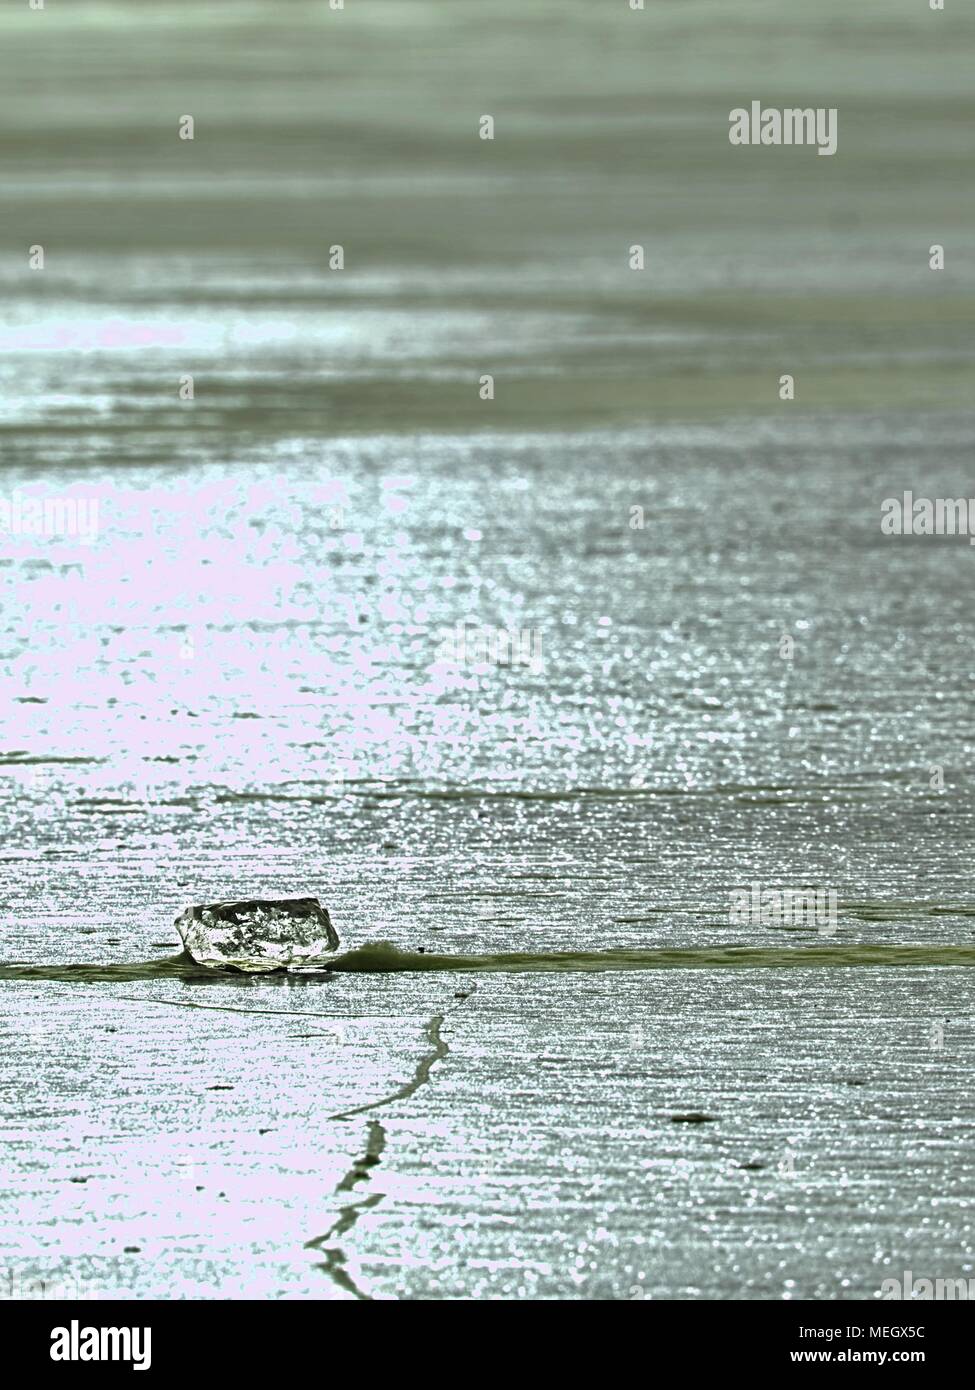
x=221 y=623
x=91 y=334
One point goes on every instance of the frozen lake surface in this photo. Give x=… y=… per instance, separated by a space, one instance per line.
x=235 y=685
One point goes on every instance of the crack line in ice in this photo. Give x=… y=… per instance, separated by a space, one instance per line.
x=335 y=1261
x=233 y=1009
x=419 y=1077
x=334 y=1264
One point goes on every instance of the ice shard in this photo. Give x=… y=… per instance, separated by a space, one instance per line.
x=259 y=934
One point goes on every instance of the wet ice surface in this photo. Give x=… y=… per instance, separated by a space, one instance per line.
x=522 y=1137
x=234 y=689
x=195 y=1149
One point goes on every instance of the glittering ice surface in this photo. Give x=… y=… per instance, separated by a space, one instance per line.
x=260 y=935
x=237 y=687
